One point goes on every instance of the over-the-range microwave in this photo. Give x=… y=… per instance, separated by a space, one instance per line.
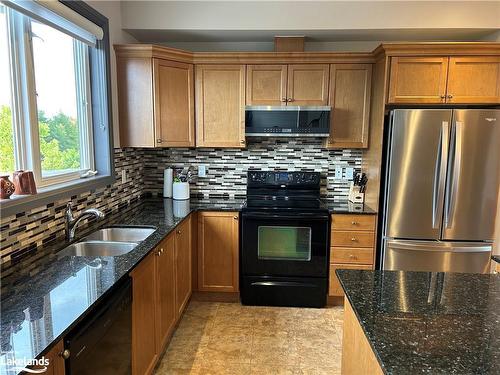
x=287 y=121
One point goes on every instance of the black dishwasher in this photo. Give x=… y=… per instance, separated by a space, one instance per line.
x=102 y=342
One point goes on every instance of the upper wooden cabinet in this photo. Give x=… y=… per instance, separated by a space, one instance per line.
x=173 y=103
x=308 y=84
x=220 y=105
x=474 y=80
x=156 y=102
x=218 y=251
x=266 y=85
x=300 y=84
x=350 y=88
x=444 y=80
x=418 y=79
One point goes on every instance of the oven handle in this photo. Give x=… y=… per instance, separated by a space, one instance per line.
x=263 y=215
x=283 y=283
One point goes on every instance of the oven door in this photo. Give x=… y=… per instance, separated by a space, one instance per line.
x=284 y=244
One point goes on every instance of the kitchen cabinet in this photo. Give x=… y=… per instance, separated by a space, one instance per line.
x=307 y=84
x=218 y=251
x=166 y=311
x=183 y=265
x=418 y=79
x=266 y=85
x=144 y=334
x=445 y=80
x=220 y=105
x=161 y=288
x=352 y=246
x=350 y=89
x=474 y=80
x=55 y=359
x=156 y=102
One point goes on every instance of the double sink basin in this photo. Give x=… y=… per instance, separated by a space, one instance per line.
x=108 y=242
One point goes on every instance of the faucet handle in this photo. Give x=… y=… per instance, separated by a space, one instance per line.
x=69 y=211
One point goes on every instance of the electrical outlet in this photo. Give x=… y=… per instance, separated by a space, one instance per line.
x=349 y=173
x=338 y=173
x=202 y=171
x=124 y=176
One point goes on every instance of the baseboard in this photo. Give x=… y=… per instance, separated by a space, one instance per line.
x=216 y=296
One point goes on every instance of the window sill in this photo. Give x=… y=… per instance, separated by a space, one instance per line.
x=46 y=195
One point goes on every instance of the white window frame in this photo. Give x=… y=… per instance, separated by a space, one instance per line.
x=24 y=103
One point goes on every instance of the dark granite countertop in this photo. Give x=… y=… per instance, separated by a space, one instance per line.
x=346 y=207
x=47 y=294
x=496 y=258
x=428 y=323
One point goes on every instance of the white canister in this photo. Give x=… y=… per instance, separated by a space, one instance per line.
x=180 y=190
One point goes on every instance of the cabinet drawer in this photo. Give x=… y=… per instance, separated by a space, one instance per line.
x=353 y=222
x=352 y=239
x=353 y=255
x=335 y=290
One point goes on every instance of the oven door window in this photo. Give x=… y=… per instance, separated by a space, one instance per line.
x=284 y=243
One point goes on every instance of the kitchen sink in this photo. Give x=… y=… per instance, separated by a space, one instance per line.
x=98 y=248
x=120 y=234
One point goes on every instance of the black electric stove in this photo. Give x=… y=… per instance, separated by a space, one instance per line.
x=284 y=240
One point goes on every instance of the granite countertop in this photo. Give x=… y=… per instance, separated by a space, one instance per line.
x=47 y=294
x=428 y=323
x=496 y=258
x=346 y=207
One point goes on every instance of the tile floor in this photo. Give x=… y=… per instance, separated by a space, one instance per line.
x=228 y=338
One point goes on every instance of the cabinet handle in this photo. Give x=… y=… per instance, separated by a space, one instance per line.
x=179 y=232
x=352 y=256
x=158 y=253
x=65 y=354
x=235 y=217
x=242 y=141
x=354 y=222
x=450 y=96
x=161 y=250
x=284 y=100
x=158 y=140
x=353 y=239
x=443 y=96
x=289 y=100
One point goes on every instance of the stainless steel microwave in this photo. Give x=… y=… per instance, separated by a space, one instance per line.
x=287 y=121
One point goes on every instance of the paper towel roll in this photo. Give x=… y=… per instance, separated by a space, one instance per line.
x=168 y=176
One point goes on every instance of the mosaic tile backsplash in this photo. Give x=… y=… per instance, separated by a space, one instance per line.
x=226 y=168
x=226 y=177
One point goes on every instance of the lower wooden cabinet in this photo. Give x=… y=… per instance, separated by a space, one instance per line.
x=166 y=310
x=144 y=305
x=55 y=359
x=218 y=251
x=335 y=289
x=161 y=288
x=183 y=266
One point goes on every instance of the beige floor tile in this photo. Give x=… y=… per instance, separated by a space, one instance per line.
x=236 y=349
x=263 y=369
x=274 y=351
x=224 y=368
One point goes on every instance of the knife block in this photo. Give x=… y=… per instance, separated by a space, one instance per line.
x=354 y=195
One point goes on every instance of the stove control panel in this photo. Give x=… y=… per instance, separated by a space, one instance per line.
x=256 y=178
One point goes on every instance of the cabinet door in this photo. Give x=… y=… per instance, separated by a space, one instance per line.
x=266 y=85
x=56 y=361
x=418 y=79
x=308 y=84
x=218 y=251
x=165 y=283
x=183 y=265
x=144 y=346
x=335 y=289
x=350 y=88
x=173 y=104
x=220 y=105
x=474 y=80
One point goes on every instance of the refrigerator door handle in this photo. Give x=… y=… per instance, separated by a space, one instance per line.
x=439 y=176
x=454 y=173
x=424 y=246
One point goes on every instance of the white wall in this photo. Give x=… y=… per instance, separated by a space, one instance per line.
x=112 y=10
x=309 y=15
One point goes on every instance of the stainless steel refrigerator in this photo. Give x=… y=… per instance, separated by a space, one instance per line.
x=441 y=189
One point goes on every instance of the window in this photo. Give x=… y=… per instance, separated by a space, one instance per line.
x=46 y=119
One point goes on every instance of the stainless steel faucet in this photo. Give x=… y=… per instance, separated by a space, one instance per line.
x=72 y=222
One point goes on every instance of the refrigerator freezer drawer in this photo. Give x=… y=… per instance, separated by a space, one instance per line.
x=435 y=256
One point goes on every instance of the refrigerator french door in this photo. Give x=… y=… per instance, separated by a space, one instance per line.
x=441 y=191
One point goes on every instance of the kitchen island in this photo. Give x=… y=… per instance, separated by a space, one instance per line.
x=420 y=323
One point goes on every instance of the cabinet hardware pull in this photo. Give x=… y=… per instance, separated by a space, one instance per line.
x=179 y=232
x=354 y=222
x=450 y=96
x=289 y=100
x=443 y=96
x=353 y=239
x=235 y=217
x=65 y=354
x=242 y=141
x=352 y=256
x=161 y=250
x=284 y=100
x=158 y=140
